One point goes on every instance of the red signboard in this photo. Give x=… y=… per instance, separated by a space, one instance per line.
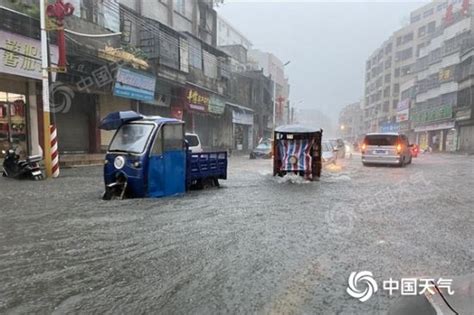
x=196 y=100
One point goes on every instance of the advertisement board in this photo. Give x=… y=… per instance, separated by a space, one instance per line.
x=134 y=85
x=20 y=55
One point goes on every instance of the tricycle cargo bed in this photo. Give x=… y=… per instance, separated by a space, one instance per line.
x=206 y=165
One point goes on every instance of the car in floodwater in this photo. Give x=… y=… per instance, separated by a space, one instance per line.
x=386 y=148
x=262 y=151
x=328 y=155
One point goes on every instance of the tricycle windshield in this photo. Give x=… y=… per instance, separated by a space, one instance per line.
x=131 y=138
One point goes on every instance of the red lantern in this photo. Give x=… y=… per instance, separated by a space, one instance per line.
x=59 y=11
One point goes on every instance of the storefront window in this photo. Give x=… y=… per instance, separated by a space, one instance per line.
x=13 y=127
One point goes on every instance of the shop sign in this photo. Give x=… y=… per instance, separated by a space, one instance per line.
x=440 y=126
x=242 y=117
x=440 y=113
x=197 y=100
x=20 y=55
x=389 y=127
x=134 y=85
x=403 y=105
x=216 y=105
x=464 y=114
x=403 y=115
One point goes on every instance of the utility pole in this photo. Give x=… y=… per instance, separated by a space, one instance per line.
x=45 y=81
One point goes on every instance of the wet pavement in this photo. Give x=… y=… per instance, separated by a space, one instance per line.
x=258 y=244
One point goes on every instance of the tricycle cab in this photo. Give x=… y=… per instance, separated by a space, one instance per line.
x=146 y=158
x=297 y=150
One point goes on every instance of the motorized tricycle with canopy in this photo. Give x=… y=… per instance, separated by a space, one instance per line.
x=297 y=150
x=148 y=157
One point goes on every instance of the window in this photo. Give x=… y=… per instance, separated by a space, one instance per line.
x=404 y=54
x=418 y=49
x=396 y=89
x=415 y=18
x=157 y=148
x=399 y=41
x=386 y=92
x=397 y=72
x=180 y=6
x=422 y=31
x=387 y=78
x=394 y=104
x=405 y=70
x=173 y=137
x=407 y=38
x=431 y=27
x=131 y=138
x=388 y=49
x=428 y=12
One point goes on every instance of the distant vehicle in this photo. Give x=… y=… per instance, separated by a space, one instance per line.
x=328 y=154
x=262 y=151
x=415 y=149
x=194 y=143
x=297 y=150
x=339 y=146
x=386 y=148
x=148 y=157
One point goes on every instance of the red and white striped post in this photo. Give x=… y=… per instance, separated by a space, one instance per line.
x=54 y=151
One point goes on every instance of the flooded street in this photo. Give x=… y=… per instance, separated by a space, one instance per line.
x=257 y=244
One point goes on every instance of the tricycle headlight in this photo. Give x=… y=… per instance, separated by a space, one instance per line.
x=119 y=162
x=137 y=164
x=293 y=159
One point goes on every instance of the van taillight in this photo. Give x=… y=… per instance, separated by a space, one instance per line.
x=364 y=146
x=399 y=148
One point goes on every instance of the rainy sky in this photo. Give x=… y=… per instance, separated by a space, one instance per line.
x=327 y=42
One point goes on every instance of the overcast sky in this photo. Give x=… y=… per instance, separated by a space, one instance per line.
x=327 y=42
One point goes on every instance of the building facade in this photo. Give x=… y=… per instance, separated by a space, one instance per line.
x=351 y=122
x=391 y=65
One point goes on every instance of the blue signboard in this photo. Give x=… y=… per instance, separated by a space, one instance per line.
x=389 y=127
x=134 y=85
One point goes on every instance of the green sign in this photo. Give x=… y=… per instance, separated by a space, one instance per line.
x=440 y=113
x=216 y=105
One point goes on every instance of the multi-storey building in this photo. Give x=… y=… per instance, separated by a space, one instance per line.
x=227 y=35
x=351 y=124
x=391 y=65
x=437 y=71
x=273 y=67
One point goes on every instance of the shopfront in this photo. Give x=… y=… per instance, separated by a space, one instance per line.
x=436 y=135
x=434 y=128
x=203 y=112
x=242 y=120
x=20 y=71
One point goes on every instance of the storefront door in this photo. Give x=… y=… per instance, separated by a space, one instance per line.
x=13 y=124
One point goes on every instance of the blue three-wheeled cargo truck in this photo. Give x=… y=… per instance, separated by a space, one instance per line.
x=148 y=157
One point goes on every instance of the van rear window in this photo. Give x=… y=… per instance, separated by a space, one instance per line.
x=381 y=140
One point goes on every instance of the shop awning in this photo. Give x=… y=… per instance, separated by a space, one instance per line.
x=242 y=108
